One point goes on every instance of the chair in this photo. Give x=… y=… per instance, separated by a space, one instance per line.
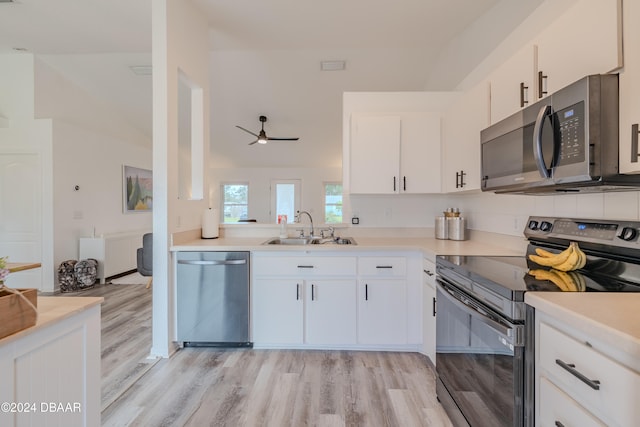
x=145 y=257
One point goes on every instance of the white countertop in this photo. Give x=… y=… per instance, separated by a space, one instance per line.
x=428 y=245
x=54 y=309
x=612 y=318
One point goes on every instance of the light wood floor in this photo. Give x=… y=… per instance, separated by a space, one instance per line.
x=248 y=387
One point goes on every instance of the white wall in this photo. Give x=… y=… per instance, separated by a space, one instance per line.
x=93 y=161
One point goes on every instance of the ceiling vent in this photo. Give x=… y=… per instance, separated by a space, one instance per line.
x=6 y=1
x=333 y=65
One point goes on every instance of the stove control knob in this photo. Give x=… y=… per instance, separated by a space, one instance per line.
x=628 y=234
x=533 y=225
x=545 y=226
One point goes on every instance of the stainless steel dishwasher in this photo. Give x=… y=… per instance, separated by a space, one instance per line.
x=212 y=299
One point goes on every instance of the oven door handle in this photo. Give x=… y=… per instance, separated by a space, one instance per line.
x=479 y=314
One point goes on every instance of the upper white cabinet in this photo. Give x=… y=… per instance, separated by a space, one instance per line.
x=586 y=39
x=461 y=126
x=630 y=90
x=395 y=153
x=512 y=84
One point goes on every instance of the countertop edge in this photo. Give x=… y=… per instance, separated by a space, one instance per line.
x=572 y=309
x=52 y=310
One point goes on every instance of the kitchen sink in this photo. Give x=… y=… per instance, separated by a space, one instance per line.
x=310 y=241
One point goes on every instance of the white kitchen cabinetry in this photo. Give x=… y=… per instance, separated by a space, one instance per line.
x=382 y=300
x=300 y=299
x=337 y=300
x=586 y=39
x=512 y=84
x=583 y=373
x=55 y=363
x=278 y=311
x=630 y=90
x=429 y=309
x=395 y=153
x=461 y=126
x=330 y=315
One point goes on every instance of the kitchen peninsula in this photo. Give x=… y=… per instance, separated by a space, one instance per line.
x=51 y=371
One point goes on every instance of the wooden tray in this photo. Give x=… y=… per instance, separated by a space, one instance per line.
x=15 y=313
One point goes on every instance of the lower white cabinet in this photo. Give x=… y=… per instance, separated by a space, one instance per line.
x=574 y=370
x=382 y=311
x=278 y=310
x=330 y=315
x=429 y=309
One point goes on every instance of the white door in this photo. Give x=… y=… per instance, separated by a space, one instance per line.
x=21 y=214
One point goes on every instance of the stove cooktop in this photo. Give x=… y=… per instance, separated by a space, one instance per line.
x=510 y=276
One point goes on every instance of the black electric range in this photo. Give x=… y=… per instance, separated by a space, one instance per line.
x=485 y=332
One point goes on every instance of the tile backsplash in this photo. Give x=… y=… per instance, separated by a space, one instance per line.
x=499 y=213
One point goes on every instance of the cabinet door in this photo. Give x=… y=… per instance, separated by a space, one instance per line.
x=374 y=154
x=429 y=310
x=462 y=124
x=585 y=40
x=330 y=312
x=420 y=159
x=511 y=81
x=382 y=311
x=278 y=311
x=630 y=90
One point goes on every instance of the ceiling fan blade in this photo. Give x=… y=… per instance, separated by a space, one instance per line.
x=251 y=143
x=282 y=139
x=248 y=131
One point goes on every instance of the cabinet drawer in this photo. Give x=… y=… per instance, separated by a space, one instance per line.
x=382 y=266
x=566 y=360
x=557 y=408
x=304 y=266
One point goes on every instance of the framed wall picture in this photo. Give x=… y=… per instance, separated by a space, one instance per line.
x=137 y=189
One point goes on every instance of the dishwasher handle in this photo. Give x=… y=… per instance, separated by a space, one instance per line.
x=212 y=262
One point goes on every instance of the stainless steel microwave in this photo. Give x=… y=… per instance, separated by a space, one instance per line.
x=564 y=143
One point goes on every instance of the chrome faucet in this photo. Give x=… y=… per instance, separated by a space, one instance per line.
x=310 y=220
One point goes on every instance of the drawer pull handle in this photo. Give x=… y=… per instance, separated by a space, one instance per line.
x=571 y=368
x=384 y=266
x=305 y=266
x=428 y=273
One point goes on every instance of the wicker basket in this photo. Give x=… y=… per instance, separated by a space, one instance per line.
x=15 y=313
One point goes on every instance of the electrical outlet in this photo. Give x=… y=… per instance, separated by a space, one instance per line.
x=355 y=220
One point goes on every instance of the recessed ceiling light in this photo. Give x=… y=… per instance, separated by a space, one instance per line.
x=19 y=49
x=332 y=65
x=141 y=70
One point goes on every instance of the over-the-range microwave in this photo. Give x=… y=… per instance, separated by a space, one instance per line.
x=564 y=143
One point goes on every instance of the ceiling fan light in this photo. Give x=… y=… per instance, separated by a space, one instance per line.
x=262 y=141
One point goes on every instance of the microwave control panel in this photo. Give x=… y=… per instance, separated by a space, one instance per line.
x=570 y=130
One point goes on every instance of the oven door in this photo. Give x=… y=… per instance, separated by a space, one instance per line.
x=479 y=361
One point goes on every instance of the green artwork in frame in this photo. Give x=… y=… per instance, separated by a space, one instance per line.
x=137 y=189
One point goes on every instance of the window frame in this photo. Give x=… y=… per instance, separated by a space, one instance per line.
x=325 y=204
x=222 y=199
x=297 y=183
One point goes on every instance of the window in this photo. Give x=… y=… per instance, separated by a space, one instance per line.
x=332 y=202
x=285 y=199
x=235 y=202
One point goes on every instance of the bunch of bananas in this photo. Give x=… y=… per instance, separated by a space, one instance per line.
x=566 y=281
x=571 y=258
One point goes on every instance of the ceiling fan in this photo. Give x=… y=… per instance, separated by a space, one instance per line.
x=262 y=136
